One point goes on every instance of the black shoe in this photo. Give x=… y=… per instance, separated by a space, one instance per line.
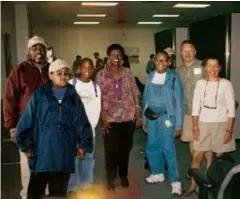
x=110 y=185
x=146 y=166
x=124 y=182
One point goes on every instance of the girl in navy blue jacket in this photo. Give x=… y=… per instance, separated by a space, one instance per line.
x=52 y=130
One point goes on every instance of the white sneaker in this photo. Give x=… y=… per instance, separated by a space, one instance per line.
x=176 y=188
x=155 y=178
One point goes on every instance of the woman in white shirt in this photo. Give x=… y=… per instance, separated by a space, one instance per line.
x=213 y=116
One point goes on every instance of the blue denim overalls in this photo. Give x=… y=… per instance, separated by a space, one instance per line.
x=160 y=138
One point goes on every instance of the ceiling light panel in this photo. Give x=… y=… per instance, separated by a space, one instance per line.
x=91 y=15
x=99 y=3
x=165 y=15
x=86 y=22
x=187 y=5
x=149 y=22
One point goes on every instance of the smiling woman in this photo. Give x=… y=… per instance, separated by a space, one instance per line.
x=213 y=116
x=120 y=113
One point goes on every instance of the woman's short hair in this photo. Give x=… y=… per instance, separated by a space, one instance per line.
x=204 y=62
x=115 y=47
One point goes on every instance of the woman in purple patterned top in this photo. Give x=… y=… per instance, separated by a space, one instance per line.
x=120 y=113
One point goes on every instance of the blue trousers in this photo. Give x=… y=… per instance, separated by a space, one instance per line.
x=83 y=176
x=161 y=141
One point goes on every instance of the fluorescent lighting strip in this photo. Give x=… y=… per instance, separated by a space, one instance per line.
x=158 y=15
x=187 y=5
x=86 y=22
x=149 y=22
x=91 y=15
x=99 y=3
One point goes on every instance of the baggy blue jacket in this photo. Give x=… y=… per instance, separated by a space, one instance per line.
x=174 y=95
x=53 y=131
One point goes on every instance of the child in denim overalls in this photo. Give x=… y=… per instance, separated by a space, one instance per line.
x=163 y=96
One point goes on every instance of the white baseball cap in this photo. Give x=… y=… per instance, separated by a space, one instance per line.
x=57 y=65
x=35 y=40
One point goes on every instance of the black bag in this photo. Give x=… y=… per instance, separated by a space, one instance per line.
x=218 y=171
x=151 y=115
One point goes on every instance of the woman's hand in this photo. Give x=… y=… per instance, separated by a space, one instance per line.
x=139 y=123
x=138 y=116
x=196 y=133
x=104 y=126
x=227 y=137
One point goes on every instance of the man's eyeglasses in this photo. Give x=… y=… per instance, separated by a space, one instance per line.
x=204 y=97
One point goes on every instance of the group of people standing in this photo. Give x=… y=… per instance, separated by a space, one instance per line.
x=192 y=102
x=52 y=117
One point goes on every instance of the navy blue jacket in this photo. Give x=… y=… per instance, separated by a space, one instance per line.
x=54 y=131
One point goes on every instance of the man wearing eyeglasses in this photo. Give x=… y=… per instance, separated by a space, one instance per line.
x=213 y=116
x=23 y=80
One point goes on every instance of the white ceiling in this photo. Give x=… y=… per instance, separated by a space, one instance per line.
x=129 y=13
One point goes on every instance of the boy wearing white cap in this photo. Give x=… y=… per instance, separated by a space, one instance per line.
x=23 y=80
x=53 y=129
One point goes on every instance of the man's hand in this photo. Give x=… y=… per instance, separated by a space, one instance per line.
x=227 y=137
x=80 y=154
x=196 y=133
x=145 y=128
x=12 y=134
x=29 y=154
x=177 y=132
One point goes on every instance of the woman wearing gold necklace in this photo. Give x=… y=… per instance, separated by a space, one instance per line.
x=120 y=113
x=213 y=116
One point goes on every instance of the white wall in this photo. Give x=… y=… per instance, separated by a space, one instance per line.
x=7 y=27
x=235 y=65
x=181 y=35
x=68 y=42
x=21 y=19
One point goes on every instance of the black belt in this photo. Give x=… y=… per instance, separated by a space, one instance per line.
x=151 y=115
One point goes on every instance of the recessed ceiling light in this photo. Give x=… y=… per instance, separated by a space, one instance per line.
x=99 y=3
x=85 y=22
x=91 y=15
x=164 y=15
x=149 y=22
x=187 y=5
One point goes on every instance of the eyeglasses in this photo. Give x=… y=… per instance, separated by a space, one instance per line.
x=205 y=94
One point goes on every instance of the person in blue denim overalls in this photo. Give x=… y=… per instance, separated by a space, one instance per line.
x=163 y=114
